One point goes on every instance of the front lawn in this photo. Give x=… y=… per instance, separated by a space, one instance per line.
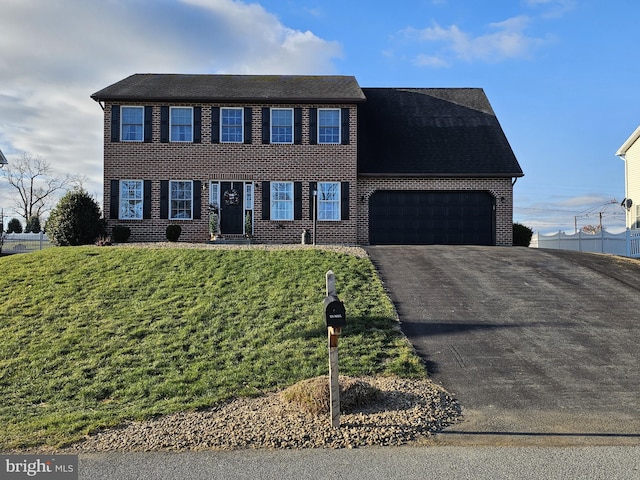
x=92 y=336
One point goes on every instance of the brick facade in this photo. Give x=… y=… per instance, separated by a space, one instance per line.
x=253 y=162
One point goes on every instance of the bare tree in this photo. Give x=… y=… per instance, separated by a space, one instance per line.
x=35 y=183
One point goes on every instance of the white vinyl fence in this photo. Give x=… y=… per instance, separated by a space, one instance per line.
x=626 y=244
x=24 y=242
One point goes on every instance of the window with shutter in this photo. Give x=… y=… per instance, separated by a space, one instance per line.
x=180 y=199
x=281 y=125
x=132 y=124
x=231 y=125
x=329 y=125
x=181 y=124
x=131 y=200
x=281 y=200
x=328 y=201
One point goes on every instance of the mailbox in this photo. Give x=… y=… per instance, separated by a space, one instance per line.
x=334 y=314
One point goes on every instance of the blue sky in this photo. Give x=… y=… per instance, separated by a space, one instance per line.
x=561 y=75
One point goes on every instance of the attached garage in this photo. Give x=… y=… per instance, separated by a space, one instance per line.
x=409 y=217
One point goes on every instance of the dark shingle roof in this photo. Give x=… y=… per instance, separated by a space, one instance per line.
x=233 y=88
x=432 y=132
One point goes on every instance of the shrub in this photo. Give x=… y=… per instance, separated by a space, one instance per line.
x=173 y=232
x=103 y=241
x=76 y=220
x=14 y=226
x=120 y=233
x=312 y=395
x=521 y=235
x=33 y=225
x=248 y=224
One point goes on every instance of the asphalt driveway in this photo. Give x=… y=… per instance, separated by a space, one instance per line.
x=539 y=346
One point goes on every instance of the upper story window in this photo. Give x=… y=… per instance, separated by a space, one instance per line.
x=181 y=124
x=282 y=125
x=328 y=200
x=281 y=200
x=132 y=124
x=231 y=125
x=131 y=199
x=181 y=199
x=329 y=125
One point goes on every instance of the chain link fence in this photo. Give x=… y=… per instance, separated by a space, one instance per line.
x=23 y=242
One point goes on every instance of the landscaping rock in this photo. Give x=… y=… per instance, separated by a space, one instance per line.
x=404 y=411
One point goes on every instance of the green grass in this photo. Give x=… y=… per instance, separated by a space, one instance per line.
x=93 y=336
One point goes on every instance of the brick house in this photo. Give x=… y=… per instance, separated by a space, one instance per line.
x=387 y=165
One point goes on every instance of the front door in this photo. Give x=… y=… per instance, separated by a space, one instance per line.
x=231 y=208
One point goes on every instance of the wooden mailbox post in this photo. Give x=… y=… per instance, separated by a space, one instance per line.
x=335 y=319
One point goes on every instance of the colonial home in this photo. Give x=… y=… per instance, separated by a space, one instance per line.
x=630 y=153
x=271 y=157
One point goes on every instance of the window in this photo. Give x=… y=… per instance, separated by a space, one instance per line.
x=132 y=124
x=248 y=196
x=281 y=200
x=214 y=195
x=181 y=124
x=131 y=199
x=329 y=125
x=231 y=125
x=328 y=200
x=180 y=199
x=281 y=125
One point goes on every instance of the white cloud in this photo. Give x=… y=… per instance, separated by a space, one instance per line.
x=54 y=55
x=552 y=8
x=504 y=40
x=430 y=61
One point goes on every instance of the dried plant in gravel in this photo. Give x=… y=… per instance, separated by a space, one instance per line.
x=312 y=395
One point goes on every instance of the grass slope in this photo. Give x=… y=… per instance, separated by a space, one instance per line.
x=92 y=336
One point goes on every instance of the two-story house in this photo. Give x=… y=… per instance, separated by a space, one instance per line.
x=273 y=156
x=630 y=153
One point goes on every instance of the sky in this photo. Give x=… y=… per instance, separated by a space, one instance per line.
x=561 y=75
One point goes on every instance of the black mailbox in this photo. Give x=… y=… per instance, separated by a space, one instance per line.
x=334 y=314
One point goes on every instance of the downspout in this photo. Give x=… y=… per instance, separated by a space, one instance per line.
x=100 y=103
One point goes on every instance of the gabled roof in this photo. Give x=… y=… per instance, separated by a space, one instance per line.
x=622 y=151
x=233 y=88
x=435 y=132
x=3 y=159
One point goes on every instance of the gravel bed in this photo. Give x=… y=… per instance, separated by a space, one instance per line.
x=406 y=411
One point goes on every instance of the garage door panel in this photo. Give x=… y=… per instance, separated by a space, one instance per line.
x=431 y=217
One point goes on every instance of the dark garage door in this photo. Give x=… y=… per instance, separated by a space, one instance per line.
x=398 y=217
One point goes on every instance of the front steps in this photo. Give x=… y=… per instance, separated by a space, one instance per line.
x=230 y=240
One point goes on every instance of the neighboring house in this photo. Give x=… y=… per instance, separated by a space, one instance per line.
x=3 y=159
x=630 y=153
x=389 y=165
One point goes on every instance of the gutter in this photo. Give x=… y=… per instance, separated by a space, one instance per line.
x=441 y=175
